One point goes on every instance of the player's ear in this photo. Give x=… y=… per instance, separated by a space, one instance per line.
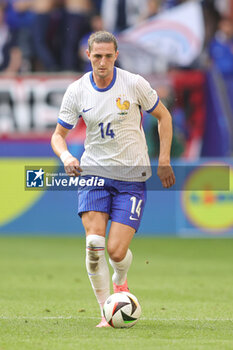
x=117 y=53
x=88 y=53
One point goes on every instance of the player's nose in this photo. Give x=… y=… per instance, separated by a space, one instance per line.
x=102 y=61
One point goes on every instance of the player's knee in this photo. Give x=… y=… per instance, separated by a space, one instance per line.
x=115 y=253
x=95 y=246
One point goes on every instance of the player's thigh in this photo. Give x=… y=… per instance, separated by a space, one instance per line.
x=93 y=208
x=120 y=236
x=95 y=223
x=127 y=208
x=93 y=199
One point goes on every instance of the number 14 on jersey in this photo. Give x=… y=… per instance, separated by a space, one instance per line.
x=106 y=130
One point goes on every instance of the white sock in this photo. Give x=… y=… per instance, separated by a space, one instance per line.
x=121 y=268
x=97 y=268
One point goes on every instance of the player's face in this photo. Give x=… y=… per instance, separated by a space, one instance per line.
x=103 y=57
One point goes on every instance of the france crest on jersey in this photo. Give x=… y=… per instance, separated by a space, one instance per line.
x=115 y=145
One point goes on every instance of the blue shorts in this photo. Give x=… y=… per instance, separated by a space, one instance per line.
x=124 y=201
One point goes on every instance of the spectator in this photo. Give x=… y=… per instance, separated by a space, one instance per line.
x=10 y=54
x=120 y=14
x=20 y=18
x=211 y=19
x=221 y=47
x=224 y=7
x=43 y=10
x=97 y=5
x=96 y=24
x=153 y=7
x=76 y=25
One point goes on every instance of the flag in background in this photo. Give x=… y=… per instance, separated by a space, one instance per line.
x=174 y=36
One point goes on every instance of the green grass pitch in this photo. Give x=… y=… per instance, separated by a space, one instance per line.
x=185 y=287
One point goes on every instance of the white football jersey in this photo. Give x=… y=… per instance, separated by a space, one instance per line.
x=115 y=145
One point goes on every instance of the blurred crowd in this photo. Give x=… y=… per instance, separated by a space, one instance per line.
x=51 y=35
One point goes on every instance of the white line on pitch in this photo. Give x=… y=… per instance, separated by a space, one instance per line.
x=95 y=318
x=187 y=319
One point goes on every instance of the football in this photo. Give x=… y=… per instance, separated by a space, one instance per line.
x=122 y=310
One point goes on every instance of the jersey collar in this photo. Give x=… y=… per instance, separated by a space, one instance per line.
x=108 y=87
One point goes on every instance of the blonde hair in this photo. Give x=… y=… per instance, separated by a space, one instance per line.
x=101 y=37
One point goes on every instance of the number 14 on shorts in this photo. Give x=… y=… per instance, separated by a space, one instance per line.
x=136 y=208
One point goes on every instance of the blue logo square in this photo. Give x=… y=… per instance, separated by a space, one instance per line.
x=35 y=178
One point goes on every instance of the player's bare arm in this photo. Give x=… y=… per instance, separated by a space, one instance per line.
x=165 y=172
x=59 y=146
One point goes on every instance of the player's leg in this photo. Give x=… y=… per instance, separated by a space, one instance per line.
x=93 y=207
x=126 y=214
x=120 y=256
x=95 y=224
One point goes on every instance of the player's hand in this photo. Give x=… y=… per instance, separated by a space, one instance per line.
x=72 y=166
x=166 y=175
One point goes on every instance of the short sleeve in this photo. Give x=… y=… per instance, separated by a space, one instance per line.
x=68 y=114
x=147 y=97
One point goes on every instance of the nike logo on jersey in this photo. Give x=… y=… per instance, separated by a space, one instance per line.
x=86 y=110
x=131 y=218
